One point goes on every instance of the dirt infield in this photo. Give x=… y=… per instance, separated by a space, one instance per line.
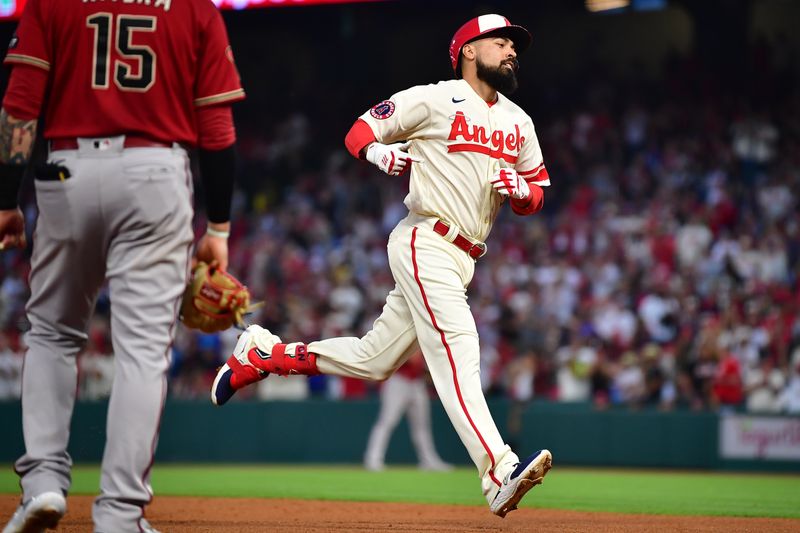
x=193 y=515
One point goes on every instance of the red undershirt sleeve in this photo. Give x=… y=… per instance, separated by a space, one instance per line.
x=359 y=136
x=215 y=129
x=25 y=92
x=530 y=205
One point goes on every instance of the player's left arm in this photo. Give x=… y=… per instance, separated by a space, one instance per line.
x=16 y=142
x=217 y=87
x=217 y=162
x=530 y=168
x=28 y=55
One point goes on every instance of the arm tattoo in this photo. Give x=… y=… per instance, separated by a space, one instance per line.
x=16 y=139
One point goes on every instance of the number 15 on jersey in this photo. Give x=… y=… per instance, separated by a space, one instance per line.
x=135 y=70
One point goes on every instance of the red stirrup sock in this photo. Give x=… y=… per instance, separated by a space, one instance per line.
x=286 y=359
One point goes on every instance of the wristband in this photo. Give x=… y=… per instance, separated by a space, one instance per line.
x=218 y=233
x=10 y=182
x=523 y=203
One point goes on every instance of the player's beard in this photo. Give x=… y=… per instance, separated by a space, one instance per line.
x=499 y=78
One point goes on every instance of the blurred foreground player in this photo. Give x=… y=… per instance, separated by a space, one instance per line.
x=129 y=85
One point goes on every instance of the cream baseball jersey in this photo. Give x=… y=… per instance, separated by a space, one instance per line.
x=465 y=140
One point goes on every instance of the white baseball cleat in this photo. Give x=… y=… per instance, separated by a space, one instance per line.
x=42 y=512
x=239 y=371
x=518 y=482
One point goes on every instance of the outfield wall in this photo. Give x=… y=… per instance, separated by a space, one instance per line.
x=336 y=432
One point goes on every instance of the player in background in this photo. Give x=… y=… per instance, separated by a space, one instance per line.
x=130 y=84
x=405 y=392
x=470 y=150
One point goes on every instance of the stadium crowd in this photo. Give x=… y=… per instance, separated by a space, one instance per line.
x=664 y=271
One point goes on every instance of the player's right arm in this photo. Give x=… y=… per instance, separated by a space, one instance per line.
x=16 y=142
x=378 y=134
x=18 y=117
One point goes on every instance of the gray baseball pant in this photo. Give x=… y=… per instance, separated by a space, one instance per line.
x=123 y=216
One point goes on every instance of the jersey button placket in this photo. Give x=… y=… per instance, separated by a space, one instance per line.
x=493 y=167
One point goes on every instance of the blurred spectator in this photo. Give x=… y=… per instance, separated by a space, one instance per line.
x=657 y=391
x=615 y=323
x=10 y=369
x=763 y=386
x=628 y=386
x=685 y=396
x=754 y=138
x=693 y=240
x=96 y=373
x=575 y=362
x=601 y=377
x=96 y=362
x=521 y=383
x=13 y=292
x=727 y=385
x=789 y=400
x=658 y=311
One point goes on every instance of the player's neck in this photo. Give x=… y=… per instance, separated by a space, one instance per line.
x=481 y=88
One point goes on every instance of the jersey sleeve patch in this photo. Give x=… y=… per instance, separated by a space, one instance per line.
x=383 y=110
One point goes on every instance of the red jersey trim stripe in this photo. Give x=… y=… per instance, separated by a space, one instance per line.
x=28 y=60
x=541 y=179
x=531 y=173
x=481 y=149
x=221 y=97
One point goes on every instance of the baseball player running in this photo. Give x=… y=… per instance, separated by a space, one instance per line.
x=129 y=83
x=470 y=150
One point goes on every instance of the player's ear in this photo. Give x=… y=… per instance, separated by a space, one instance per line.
x=469 y=51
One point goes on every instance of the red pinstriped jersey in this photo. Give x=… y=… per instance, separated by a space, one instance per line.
x=127 y=67
x=461 y=140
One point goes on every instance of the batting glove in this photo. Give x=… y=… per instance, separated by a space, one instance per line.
x=508 y=183
x=393 y=159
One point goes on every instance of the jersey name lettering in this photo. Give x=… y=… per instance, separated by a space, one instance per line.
x=493 y=145
x=165 y=4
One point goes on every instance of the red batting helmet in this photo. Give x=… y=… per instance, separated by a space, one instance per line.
x=483 y=25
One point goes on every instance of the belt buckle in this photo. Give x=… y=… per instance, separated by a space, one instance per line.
x=482 y=247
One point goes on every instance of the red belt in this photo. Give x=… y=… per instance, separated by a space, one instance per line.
x=131 y=141
x=474 y=250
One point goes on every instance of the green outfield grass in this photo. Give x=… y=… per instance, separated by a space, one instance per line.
x=624 y=491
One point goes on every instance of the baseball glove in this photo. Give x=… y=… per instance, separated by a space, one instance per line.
x=214 y=300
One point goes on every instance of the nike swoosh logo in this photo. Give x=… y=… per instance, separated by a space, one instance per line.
x=457 y=101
